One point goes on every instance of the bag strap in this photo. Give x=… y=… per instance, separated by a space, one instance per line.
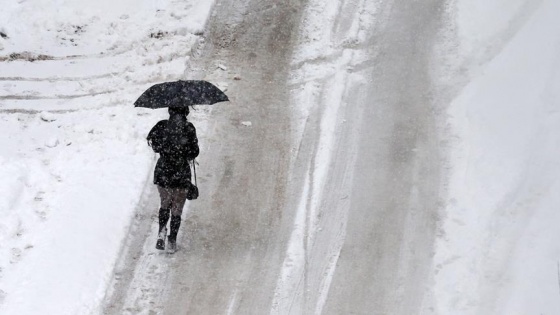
x=194 y=169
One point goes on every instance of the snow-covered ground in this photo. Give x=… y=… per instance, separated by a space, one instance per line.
x=73 y=158
x=499 y=251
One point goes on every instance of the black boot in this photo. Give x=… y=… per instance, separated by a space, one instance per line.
x=175 y=224
x=163 y=218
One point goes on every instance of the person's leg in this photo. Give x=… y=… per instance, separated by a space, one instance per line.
x=178 y=199
x=179 y=196
x=164 y=212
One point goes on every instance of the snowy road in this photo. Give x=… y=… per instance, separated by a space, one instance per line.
x=386 y=255
x=325 y=186
x=232 y=236
x=327 y=202
x=371 y=220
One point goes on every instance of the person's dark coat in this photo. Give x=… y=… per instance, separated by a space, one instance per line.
x=176 y=142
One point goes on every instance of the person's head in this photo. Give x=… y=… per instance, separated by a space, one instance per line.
x=178 y=111
x=177 y=118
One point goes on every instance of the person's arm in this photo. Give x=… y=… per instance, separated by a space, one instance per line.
x=155 y=136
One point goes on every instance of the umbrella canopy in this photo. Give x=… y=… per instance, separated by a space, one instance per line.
x=180 y=94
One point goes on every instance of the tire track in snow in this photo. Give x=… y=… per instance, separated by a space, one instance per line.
x=294 y=282
x=53 y=97
x=385 y=261
x=232 y=303
x=58 y=78
x=112 y=52
x=112 y=69
x=319 y=230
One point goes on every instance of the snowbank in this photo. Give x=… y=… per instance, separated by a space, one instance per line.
x=74 y=159
x=78 y=27
x=498 y=252
x=69 y=200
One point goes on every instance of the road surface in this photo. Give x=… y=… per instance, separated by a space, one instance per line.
x=330 y=209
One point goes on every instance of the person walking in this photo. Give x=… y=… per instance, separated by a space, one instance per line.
x=177 y=144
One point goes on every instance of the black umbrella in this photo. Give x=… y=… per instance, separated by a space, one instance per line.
x=181 y=93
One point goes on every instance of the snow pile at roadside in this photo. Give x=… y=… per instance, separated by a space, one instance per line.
x=74 y=159
x=69 y=187
x=78 y=27
x=499 y=249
